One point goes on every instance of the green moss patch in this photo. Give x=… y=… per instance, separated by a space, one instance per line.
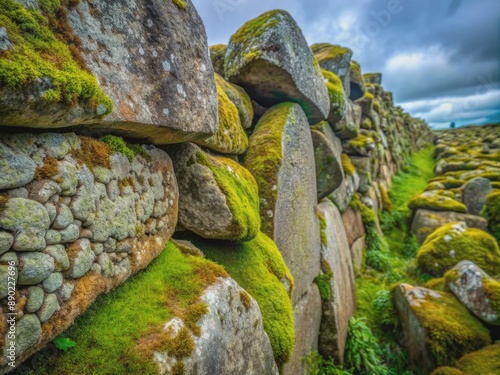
x=347 y=165
x=447 y=371
x=117 y=144
x=264 y=158
x=484 y=361
x=492 y=290
x=181 y=4
x=322 y=228
x=119 y=332
x=337 y=96
x=40 y=53
x=491 y=212
x=451 y=330
x=257 y=266
x=241 y=193
x=436 y=202
x=452 y=243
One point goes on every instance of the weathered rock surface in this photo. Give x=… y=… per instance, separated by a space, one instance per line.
x=425 y=222
x=474 y=194
x=240 y=99
x=269 y=57
x=475 y=290
x=429 y=319
x=357 y=83
x=343 y=195
x=338 y=100
x=307 y=320
x=353 y=224
x=233 y=340
x=281 y=158
x=348 y=127
x=340 y=305
x=218 y=197
x=150 y=59
x=335 y=59
x=327 y=151
x=217 y=55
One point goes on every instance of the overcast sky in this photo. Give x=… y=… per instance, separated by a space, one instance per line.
x=440 y=58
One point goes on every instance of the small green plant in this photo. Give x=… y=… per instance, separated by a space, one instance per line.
x=363 y=354
x=384 y=309
x=316 y=365
x=63 y=343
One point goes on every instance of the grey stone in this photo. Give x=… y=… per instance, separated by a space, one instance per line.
x=206 y=210
x=16 y=168
x=58 y=252
x=329 y=172
x=174 y=65
x=64 y=217
x=85 y=202
x=341 y=304
x=34 y=268
x=28 y=334
x=358 y=249
x=67 y=178
x=53 y=237
x=467 y=282
x=51 y=210
x=363 y=167
x=102 y=175
x=70 y=234
x=21 y=192
x=474 y=194
x=41 y=191
x=35 y=299
x=58 y=145
x=349 y=126
x=234 y=341
x=5 y=43
x=7 y=276
x=49 y=307
x=65 y=291
x=106 y=264
x=29 y=219
x=343 y=195
x=110 y=245
x=81 y=261
x=53 y=282
x=291 y=219
x=6 y=241
x=10 y=256
x=335 y=59
x=307 y=320
x=282 y=67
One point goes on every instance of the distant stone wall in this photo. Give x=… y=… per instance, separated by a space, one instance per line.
x=75 y=219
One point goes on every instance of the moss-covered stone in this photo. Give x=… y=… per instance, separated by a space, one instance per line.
x=230 y=137
x=217 y=55
x=491 y=212
x=357 y=82
x=447 y=371
x=436 y=202
x=362 y=145
x=117 y=144
x=454 y=242
x=240 y=99
x=349 y=169
x=39 y=55
x=484 y=361
x=257 y=266
x=337 y=96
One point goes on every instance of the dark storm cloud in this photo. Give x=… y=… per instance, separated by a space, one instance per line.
x=440 y=56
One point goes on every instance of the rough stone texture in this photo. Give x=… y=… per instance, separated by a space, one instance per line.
x=341 y=304
x=28 y=334
x=467 y=282
x=335 y=59
x=133 y=210
x=307 y=320
x=415 y=335
x=217 y=55
x=474 y=194
x=349 y=126
x=289 y=209
x=205 y=207
x=240 y=99
x=358 y=255
x=363 y=167
x=233 y=340
x=425 y=222
x=269 y=57
x=151 y=59
x=329 y=172
x=343 y=195
x=16 y=168
x=353 y=224
x=357 y=83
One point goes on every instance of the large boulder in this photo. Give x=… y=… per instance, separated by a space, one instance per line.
x=475 y=290
x=474 y=194
x=425 y=222
x=269 y=57
x=337 y=284
x=438 y=330
x=454 y=242
x=281 y=158
x=218 y=198
x=327 y=156
x=335 y=59
x=140 y=68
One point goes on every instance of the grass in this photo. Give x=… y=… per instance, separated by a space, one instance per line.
x=119 y=331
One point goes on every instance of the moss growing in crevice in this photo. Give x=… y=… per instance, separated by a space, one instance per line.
x=50 y=168
x=452 y=243
x=45 y=48
x=117 y=144
x=336 y=93
x=257 y=266
x=347 y=165
x=323 y=282
x=491 y=212
x=492 y=290
x=120 y=331
x=242 y=196
x=386 y=200
x=92 y=153
x=322 y=228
